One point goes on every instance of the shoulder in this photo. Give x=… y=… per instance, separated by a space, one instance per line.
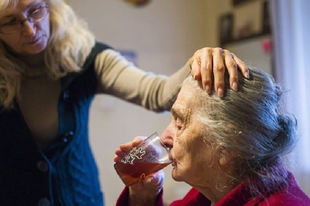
x=292 y=195
x=193 y=197
x=97 y=48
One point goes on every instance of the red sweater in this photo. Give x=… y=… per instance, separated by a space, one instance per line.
x=239 y=196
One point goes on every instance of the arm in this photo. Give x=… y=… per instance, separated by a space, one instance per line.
x=118 y=77
x=124 y=199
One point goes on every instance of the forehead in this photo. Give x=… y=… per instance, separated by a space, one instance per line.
x=183 y=104
x=11 y=7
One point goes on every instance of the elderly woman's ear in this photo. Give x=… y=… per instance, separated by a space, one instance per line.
x=225 y=157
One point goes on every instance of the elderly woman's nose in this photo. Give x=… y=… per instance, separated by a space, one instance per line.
x=167 y=136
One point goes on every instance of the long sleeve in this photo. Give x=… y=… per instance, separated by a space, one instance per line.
x=123 y=199
x=120 y=78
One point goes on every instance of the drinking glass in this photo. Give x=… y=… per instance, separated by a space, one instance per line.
x=150 y=156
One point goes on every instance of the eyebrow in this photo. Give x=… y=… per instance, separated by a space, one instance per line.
x=173 y=112
x=26 y=9
x=176 y=113
x=34 y=3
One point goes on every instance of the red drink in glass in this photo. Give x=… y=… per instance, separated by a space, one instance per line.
x=132 y=174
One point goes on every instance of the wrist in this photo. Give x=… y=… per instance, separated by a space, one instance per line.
x=143 y=197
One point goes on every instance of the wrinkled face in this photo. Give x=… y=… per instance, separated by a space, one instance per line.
x=32 y=38
x=192 y=158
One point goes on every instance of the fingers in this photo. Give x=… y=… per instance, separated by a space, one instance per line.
x=125 y=148
x=241 y=66
x=210 y=64
x=233 y=63
x=156 y=180
x=219 y=71
x=201 y=65
x=206 y=69
x=194 y=63
x=232 y=69
x=118 y=155
x=151 y=185
x=121 y=152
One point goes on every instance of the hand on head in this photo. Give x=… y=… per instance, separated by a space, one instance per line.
x=210 y=64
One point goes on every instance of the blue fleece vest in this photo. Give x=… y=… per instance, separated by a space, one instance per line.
x=64 y=174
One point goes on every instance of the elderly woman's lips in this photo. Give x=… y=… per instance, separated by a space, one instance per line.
x=173 y=163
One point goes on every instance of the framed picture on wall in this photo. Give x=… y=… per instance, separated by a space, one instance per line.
x=226 y=25
x=266 y=26
x=238 y=2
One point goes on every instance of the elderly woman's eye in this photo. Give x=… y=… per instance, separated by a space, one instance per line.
x=178 y=124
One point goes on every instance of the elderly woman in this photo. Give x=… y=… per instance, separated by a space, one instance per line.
x=51 y=68
x=230 y=150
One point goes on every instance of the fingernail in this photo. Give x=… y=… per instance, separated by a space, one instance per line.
x=247 y=75
x=220 y=92
x=194 y=77
x=235 y=86
x=208 y=89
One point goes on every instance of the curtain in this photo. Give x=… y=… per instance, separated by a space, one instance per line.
x=291 y=39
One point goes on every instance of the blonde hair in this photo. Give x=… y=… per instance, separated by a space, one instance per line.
x=69 y=44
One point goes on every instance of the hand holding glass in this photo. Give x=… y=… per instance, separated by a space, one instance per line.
x=150 y=156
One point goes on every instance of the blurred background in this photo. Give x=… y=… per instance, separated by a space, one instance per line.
x=162 y=35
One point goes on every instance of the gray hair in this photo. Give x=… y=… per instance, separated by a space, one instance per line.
x=250 y=124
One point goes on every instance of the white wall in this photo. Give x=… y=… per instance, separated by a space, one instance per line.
x=164 y=34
